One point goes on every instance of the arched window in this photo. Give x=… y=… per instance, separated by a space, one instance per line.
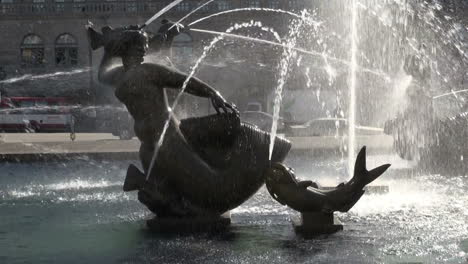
x=223 y=5
x=182 y=47
x=183 y=7
x=66 y=50
x=274 y=4
x=32 y=51
x=293 y=5
x=253 y=3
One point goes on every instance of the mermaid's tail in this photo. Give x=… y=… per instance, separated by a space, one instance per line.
x=216 y=166
x=135 y=179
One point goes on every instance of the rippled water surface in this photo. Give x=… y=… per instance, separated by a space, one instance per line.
x=76 y=212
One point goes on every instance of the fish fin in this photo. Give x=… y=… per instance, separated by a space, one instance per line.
x=360 y=167
x=134 y=180
x=375 y=173
x=96 y=39
x=362 y=176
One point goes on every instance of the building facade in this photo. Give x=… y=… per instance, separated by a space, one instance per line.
x=44 y=49
x=48 y=38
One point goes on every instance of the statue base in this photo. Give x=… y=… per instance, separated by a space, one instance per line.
x=316 y=223
x=177 y=225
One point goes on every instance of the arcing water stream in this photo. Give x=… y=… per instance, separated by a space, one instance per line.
x=250 y=9
x=206 y=51
x=30 y=77
x=288 y=55
x=301 y=50
x=191 y=12
x=352 y=91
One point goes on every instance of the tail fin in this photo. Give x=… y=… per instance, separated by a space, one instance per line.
x=134 y=180
x=362 y=176
x=96 y=39
x=352 y=201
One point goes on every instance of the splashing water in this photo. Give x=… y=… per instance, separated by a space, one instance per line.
x=454 y=93
x=401 y=28
x=322 y=55
x=161 y=12
x=30 y=77
x=288 y=55
x=206 y=51
x=61 y=108
x=249 y=9
x=190 y=13
x=352 y=92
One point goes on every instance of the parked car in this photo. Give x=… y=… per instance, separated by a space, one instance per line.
x=262 y=120
x=123 y=125
x=113 y=119
x=254 y=107
x=330 y=134
x=329 y=127
x=34 y=114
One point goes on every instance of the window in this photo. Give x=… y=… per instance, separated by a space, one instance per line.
x=79 y=6
x=182 y=47
x=66 y=50
x=183 y=7
x=223 y=5
x=253 y=3
x=206 y=8
x=59 y=5
x=38 y=6
x=131 y=6
x=274 y=4
x=7 y=7
x=293 y=4
x=32 y=51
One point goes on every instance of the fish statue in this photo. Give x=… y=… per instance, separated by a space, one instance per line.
x=307 y=196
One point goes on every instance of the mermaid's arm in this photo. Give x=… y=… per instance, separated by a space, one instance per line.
x=172 y=78
x=107 y=74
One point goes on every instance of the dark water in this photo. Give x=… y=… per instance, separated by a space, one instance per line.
x=75 y=212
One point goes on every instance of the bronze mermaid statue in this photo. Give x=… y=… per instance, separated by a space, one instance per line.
x=205 y=165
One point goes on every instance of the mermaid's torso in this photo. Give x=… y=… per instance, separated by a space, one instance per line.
x=144 y=99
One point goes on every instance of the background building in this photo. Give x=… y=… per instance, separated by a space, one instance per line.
x=47 y=39
x=44 y=50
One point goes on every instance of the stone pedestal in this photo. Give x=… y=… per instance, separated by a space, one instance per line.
x=316 y=223
x=177 y=225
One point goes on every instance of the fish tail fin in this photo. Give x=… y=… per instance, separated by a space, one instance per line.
x=134 y=180
x=96 y=39
x=362 y=176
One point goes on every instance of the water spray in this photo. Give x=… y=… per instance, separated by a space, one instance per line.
x=160 y=13
x=252 y=9
x=450 y=93
x=189 y=14
x=352 y=91
x=304 y=51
